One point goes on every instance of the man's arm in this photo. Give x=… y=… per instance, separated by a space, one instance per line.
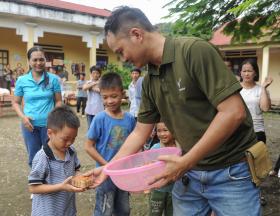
x=231 y=113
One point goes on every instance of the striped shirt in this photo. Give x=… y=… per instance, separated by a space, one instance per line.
x=48 y=169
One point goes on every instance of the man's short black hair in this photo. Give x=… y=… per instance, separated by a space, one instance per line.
x=110 y=80
x=124 y=18
x=62 y=116
x=136 y=69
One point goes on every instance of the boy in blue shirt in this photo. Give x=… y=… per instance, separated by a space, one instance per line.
x=107 y=132
x=54 y=165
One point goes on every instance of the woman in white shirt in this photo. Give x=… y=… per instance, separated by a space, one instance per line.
x=255 y=96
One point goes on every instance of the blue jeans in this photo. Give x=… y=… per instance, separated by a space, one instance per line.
x=226 y=191
x=34 y=140
x=110 y=200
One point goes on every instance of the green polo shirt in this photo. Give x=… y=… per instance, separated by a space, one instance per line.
x=184 y=92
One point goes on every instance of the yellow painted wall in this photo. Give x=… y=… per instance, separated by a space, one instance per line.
x=75 y=51
x=274 y=72
x=17 y=49
x=112 y=57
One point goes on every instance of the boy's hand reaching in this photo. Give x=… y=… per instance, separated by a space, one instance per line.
x=66 y=186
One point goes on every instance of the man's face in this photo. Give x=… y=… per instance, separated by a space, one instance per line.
x=128 y=47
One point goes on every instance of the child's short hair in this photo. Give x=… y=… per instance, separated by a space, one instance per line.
x=62 y=116
x=111 y=80
x=136 y=69
x=95 y=68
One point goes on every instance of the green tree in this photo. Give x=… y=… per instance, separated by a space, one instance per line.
x=243 y=19
x=165 y=28
x=124 y=72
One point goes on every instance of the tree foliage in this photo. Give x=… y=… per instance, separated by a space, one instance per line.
x=244 y=19
x=124 y=72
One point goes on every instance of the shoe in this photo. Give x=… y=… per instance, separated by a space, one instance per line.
x=263 y=201
x=272 y=173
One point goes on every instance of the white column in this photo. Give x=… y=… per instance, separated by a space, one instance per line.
x=92 y=51
x=265 y=63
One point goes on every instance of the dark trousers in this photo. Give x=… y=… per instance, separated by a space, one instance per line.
x=277 y=165
x=261 y=136
x=81 y=101
x=89 y=119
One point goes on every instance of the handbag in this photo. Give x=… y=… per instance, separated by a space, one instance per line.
x=259 y=162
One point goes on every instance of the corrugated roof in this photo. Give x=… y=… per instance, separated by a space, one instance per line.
x=57 y=4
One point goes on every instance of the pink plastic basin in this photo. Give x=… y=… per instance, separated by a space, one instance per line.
x=134 y=172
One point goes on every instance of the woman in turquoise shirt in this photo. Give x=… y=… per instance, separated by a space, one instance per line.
x=41 y=93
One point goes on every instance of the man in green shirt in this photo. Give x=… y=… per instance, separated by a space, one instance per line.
x=190 y=89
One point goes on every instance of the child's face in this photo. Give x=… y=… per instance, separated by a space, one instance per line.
x=112 y=98
x=164 y=135
x=60 y=140
x=95 y=75
x=135 y=75
x=82 y=77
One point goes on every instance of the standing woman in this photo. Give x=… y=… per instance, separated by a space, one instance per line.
x=255 y=96
x=41 y=93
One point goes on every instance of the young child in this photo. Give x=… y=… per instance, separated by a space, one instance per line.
x=161 y=199
x=82 y=95
x=94 y=101
x=106 y=134
x=54 y=165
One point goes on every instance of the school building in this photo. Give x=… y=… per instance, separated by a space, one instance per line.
x=71 y=34
x=266 y=52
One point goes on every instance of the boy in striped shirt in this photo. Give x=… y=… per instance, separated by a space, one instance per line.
x=54 y=165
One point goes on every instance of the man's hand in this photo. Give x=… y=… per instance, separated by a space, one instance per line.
x=98 y=176
x=173 y=171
